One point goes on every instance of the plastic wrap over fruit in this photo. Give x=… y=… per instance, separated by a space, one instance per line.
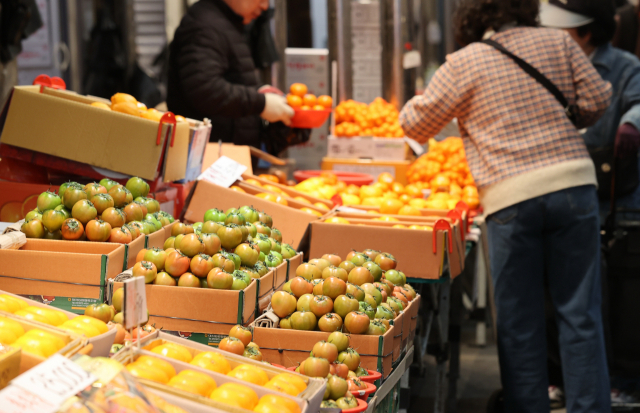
x=115 y=391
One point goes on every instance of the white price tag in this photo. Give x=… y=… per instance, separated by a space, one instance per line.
x=54 y=381
x=224 y=172
x=14 y=399
x=135 y=302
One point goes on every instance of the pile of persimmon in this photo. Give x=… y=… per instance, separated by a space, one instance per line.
x=444 y=171
x=104 y=212
x=227 y=251
x=359 y=295
x=299 y=97
x=379 y=118
x=339 y=363
x=125 y=103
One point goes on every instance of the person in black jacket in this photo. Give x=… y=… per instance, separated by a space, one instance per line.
x=212 y=73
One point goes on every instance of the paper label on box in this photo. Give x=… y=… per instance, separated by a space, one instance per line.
x=54 y=381
x=135 y=302
x=224 y=172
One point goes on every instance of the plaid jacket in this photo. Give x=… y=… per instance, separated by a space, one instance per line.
x=510 y=124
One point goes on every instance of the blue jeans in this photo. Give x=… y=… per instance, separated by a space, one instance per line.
x=555 y=236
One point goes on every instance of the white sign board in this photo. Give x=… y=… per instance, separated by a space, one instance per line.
x=311 y=67
x=223 y=172
x=135 y=302
x=46 y=387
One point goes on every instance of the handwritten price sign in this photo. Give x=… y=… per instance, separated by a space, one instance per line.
x=135 y=302
x=224 y=172
x=45 y=387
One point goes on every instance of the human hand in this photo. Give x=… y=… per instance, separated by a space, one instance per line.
x=627 y=141
x=270 y=89
x=276 y=109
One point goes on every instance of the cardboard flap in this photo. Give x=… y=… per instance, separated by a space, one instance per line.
x=239 y=153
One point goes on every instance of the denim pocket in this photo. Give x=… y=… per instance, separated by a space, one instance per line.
x=582 y=199
x=505 y=215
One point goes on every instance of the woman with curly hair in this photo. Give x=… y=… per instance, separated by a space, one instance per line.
x=537 y=186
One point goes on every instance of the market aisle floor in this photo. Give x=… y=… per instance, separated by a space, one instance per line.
x=479 y=377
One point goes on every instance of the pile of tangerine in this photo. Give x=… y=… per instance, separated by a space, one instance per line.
x=299 y=97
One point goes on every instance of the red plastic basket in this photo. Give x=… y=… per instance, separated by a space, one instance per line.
x=362 y=406
x=309 y=119
x=278 y=366
x=364 y=394
x=292 y=368
x=372 y=377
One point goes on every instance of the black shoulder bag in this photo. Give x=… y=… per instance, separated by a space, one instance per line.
x=603 y=158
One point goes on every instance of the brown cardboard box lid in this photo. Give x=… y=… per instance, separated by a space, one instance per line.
x=239 y=153
x=64 y=124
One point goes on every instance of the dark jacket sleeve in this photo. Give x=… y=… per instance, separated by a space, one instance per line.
x=202 y=62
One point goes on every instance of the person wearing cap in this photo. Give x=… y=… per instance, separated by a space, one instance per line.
x=537 y=185
x=592 y=25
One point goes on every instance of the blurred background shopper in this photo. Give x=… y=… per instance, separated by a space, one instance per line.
x=538 y=188
x=212 y=73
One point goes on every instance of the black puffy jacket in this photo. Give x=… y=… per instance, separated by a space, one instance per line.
x=212 y=74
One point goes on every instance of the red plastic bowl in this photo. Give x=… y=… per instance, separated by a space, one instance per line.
x=278 y=366
x=349 y=178
x=364 y=394
x=309 y=119
x=362 y=406
x=372 y=377
x=292 y=368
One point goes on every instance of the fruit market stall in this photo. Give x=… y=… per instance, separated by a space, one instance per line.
x=261 y=295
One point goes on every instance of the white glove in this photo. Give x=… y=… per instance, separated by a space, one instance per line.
x=276 y=109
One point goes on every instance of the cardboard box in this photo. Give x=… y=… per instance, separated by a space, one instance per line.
x=367 y=147
x=364 y=232
x=413 y=249
x=101 y=343
x=290 y=347
x=290 y=221
x=265 y=289
x=398 y=327
x=415 y=308
x=309 y=400
x=9 y=365
x=289 y=190
x=294 y=263
x=65 y=122
x=68 y=275
x=397 y=169
x=73 y=343
x=199 y=310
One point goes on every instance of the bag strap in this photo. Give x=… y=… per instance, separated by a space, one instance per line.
x=534 y=73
